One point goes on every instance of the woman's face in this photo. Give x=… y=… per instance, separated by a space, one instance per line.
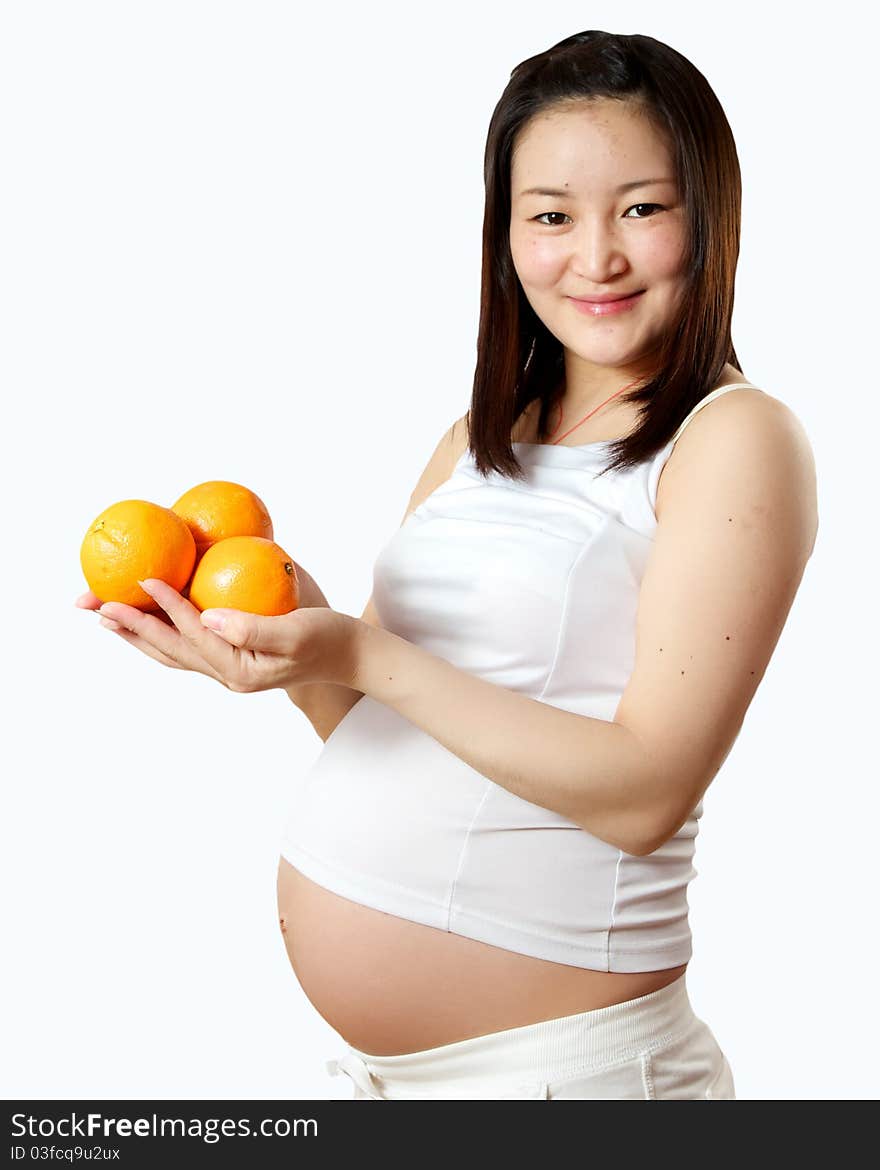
x=592 y=238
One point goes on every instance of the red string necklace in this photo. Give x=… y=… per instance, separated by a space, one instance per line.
x=586 y=416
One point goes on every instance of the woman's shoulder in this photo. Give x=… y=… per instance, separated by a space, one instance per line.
x=744 y=400
x=748 y=422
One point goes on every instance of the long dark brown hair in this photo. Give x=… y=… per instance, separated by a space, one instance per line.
x=518 y=358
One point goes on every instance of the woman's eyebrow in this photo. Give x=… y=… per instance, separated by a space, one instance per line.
x=555 y=192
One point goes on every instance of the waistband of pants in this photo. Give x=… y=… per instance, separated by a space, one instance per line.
x=535 y=1053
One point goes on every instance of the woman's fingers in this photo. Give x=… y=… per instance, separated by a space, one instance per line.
x=152 y=634
x=176 y=636
x=180 y=636
x=148 y=632
x=180 y=657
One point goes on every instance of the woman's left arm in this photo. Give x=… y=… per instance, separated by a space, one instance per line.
x=592 y=771
x=737 y=526
x=739 y=523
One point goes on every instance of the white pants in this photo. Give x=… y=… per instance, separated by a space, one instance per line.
x=652 y=1048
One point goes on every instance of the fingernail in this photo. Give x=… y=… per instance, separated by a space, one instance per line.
x=109 y=624
x=147 y=586
x=213 y=620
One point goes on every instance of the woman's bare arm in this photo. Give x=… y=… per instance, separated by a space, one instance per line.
x=738 y=525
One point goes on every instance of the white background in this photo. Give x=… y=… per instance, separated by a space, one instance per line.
x=242 y=241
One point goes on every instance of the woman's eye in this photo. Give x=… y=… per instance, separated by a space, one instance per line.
x=544 y=214
x=635 y=205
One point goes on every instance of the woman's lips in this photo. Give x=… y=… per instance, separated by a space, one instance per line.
x=603 y=308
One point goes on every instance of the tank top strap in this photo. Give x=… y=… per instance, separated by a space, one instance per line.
x=704 y=401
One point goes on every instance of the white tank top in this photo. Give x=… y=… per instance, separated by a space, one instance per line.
x=533 y=586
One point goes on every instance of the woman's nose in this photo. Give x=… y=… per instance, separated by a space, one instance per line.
x=598 y=254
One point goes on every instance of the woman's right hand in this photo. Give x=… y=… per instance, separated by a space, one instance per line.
x=309 y=595
x=250 y=652
x=91 y=601
x=88 y=600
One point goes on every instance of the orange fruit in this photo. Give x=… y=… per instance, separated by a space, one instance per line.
x=245 y=572
x=218 y=509
x=133 y=540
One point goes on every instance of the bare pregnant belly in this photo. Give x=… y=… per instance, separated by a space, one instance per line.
x=390 y=986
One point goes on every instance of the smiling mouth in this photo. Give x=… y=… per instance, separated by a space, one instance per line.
x=608 y=300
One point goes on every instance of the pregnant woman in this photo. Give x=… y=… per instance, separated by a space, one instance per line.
x=483 y=880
